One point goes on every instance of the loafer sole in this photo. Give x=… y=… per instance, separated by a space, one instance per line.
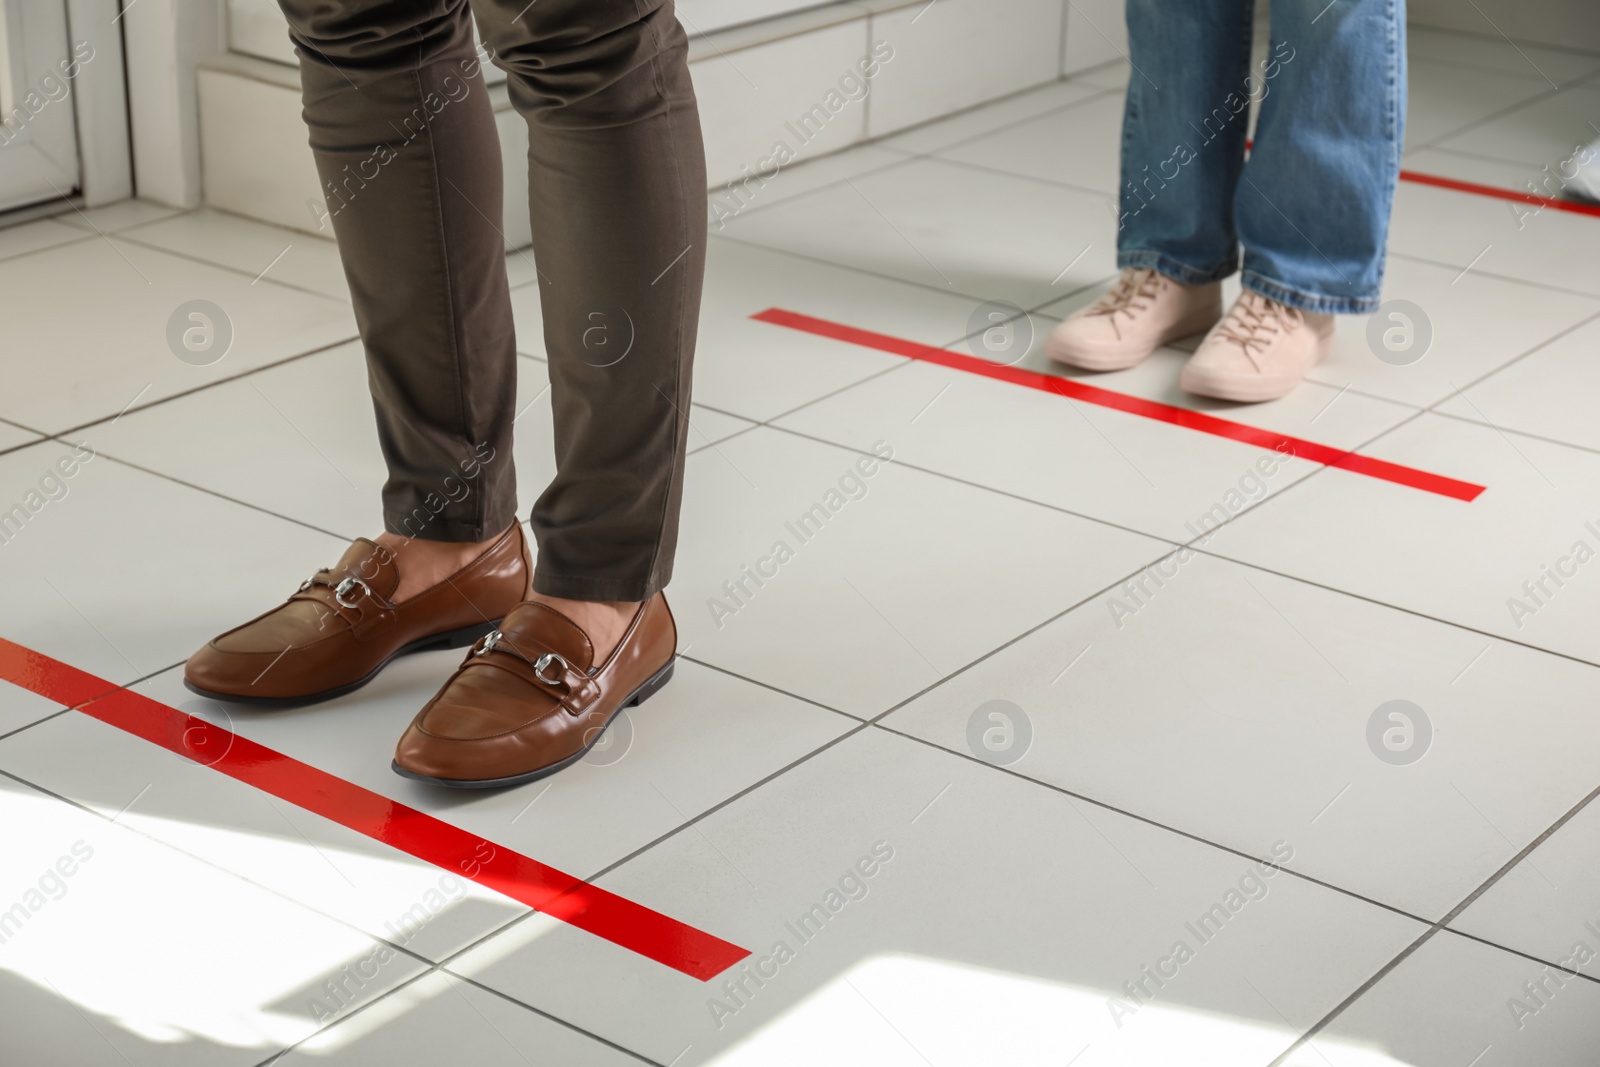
x=458 y=638
x=637 y=697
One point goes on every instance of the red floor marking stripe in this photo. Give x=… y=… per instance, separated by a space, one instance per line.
x=1577 y=207
x=1541 y=202
x=555 y=893
x=1133 y=405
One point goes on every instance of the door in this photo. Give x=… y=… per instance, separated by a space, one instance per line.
x=39 y=66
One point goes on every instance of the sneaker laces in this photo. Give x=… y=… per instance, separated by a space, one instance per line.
x=1134 y=291
x=1254 y=323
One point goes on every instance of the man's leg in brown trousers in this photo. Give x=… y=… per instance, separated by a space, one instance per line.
x=617 y=180
x=617 y=195
x=405 y=143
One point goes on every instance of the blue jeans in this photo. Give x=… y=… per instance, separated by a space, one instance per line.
x=1311 y=206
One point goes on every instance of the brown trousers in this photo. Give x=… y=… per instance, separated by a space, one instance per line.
x=405 y=143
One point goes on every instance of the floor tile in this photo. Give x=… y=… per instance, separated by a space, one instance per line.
x=1078 y=145
x=520 y=268
x=311 y=448
x=1469 y=325
x=1017 y=239
x=15 y=437
x=851 y=573
x=442 y=1019
x=32 y=236
x=1456 y=1002
x=1498 y=53
x=1443 y=98
x=1480 y=234
x=122 y=573
x=119 y=355
x=119 y=951
x=1111 y=76
x=300 y=440
x=1546 y=393
x=1484 y=170
x=1016 y=954
x=1475 y=564
x=708 y=426
x=1550 y=901
x=622 y=797
x=1110 y=465
x=109 y=218
x=1547 y=131
x=19 y=707
x=732 y=199
x=759 y=371
x=942 y=133
x=185 y=803
x=288 y=257
x=1258 y=672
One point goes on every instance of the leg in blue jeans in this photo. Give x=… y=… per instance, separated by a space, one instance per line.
x=1311 y=207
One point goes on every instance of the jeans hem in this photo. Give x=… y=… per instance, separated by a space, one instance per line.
x=1179 y=272
x=1316 y=303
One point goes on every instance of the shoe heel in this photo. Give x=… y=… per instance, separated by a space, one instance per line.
x=648 y=689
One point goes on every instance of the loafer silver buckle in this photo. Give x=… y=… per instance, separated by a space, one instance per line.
x=544 y=662
x=343 y=589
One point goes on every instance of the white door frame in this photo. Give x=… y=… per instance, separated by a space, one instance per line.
x=105 y=161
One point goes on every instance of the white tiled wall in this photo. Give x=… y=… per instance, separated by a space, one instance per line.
x=755 y=98
x=1095 y=33
x=255 y=160
x=953 y=54
x=707 y=16
x=755 y=83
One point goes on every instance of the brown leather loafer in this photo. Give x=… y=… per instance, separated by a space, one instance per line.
x=529 y=699
x=340 y=629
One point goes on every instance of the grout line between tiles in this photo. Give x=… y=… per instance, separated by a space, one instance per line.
x=1528 y=282
x=429 y=965
x=1441 y=924
x=1504 y=112
x=1529 y=956
x=448 y=975
x=217 y=265
x=912 y=156
x=943 y=290
x=983 y=168
x=317 y=350
x=216 y=493
x=80 y=239
x=874 y=722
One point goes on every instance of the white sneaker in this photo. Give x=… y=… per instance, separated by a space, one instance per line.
x=1142 y=312
x=1261 y=351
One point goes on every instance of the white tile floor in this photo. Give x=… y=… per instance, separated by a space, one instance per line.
x=1200 y=748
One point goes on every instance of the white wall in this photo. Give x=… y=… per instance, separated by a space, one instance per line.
x=754 y=83
x=164 y=41
x=1564 y=23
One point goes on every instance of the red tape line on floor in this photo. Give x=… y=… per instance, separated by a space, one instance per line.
x=1459 y=186
x=555 y=893
x=1132 y=405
